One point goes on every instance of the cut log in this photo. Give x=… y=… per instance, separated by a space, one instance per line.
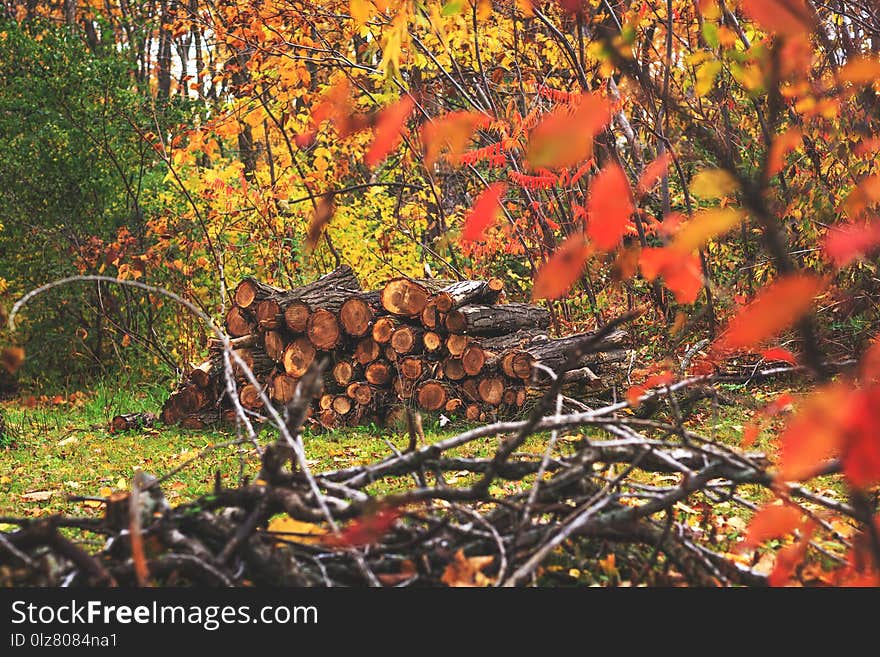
x=357 y=313
x=201 y=374
x=378 y=373
x=453 y=369
x=468 y=292
x=328 y=419
x=249 y=396
x=257 y=361
x=283 y=388
x=390 y=354
x=362 y=393
x=395 y=416
x=323 y=329
x=470 y=390
x=250 y=291
x=132 y=421
x=432 y=342
x=241 y=342
x=268 y=315
x=296 y=315
x=298 y=357
x=407 y=339
x=239 y=323
x=412 y=368
x=553 y=353
x=453 y=405
x=204 y=420
x=456 y=344
x=274 y=344
x=367 y=350
x=496 y=320
x=431 y=317
x=344 y=372
x=384 y=328
x=407 y=297
x=491 y=390
x=473 y=358
x=472 y=412
x=432 y=395
x=342 y=405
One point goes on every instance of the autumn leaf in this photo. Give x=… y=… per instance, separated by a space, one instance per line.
x=781 y=146
x=779 y=354
x=389 y=127
x=485 y=211
x=609 y=207
x=322 y=215
x=860 y=71
x=713 y=183
x=681 y=273
x=564 y=267
x=11 y=359
x=653 y=173
x=750 y=434
x=815 y=433
x=865 y=194
x=366 y=530
x=772 y=521
x=465 y=571
x=784 y=17
x=704 y=226
x=861 y=453
x=564 y=138
x=844 y=244
x=360 y=11
x=789 y=557
x=777 y=307
x=449 y=135
x=296 y=531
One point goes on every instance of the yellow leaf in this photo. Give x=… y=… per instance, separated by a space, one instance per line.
x=296 y=531
x=713 y=183
x=706 y=75
x=360 y=11
x=704 y=226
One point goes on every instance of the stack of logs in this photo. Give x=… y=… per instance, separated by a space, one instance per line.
x=451 y=347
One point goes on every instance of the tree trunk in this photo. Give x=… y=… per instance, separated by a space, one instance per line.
x=496 y=320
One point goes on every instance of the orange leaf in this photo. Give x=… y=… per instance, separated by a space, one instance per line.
x=466 y=571
x=865 y=194
x=563 y=268
x=778 y=353
x=634 y=394
x=782 y=145
x=843 y=244
x=785 y=17
x=860 y=70
x=324 y=210
x=365 y=530
x=483 y=214
x=750 y=434
x=815 y=433
x=788 y=558
x=564 y=138
x=609 y=207
x=450 y=134
x=389 y=127
x=654 y=172
x=776 y=307
x=772 y=521
x=681 y=273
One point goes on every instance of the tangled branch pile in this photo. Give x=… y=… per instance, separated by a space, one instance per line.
x=444 y=346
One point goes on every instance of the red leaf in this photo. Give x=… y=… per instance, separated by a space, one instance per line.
x=815 y=433
x=776 y=307
x=772 y=521
x=483 y=214
x=750 y=434
x=388 y=130
x=681 y=273
x=633 y=395
x=366 y=530
x=779 y=354
x=654 y=172
x=563 y=268
x=564 y=138
x=785 y=17
x=850 y=242
x=609 y=207
x=861 y=455
x=788 y=558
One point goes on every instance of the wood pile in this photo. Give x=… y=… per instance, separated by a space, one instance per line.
x=451 y=347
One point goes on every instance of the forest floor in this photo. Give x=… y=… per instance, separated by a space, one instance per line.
x=58 y=449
